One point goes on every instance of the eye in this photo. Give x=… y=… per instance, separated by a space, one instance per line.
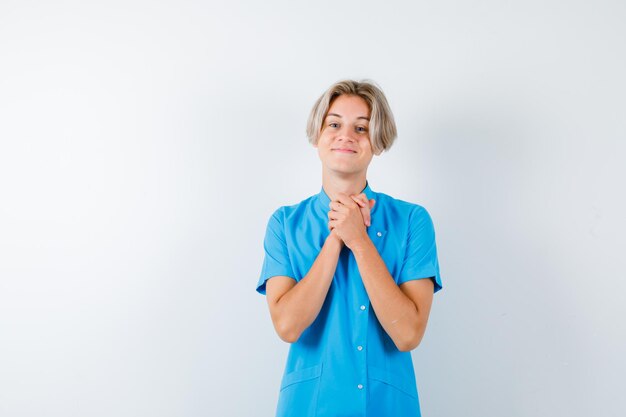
x=333 y=124
x=361 y=129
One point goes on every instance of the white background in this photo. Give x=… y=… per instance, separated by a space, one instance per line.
x=144 y=145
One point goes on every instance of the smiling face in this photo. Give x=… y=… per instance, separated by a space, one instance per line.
x=344 y=145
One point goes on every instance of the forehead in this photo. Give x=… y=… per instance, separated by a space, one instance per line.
x=349 y=106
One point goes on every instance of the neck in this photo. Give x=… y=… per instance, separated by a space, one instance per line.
x=349 y=184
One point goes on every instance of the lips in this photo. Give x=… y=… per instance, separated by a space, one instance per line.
x=345 y=150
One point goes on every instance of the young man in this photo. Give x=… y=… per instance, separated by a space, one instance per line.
x=350 y=273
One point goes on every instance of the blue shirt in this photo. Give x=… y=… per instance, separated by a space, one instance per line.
x=344 y=363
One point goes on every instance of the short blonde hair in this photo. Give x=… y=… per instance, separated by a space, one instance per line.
x=382 y=126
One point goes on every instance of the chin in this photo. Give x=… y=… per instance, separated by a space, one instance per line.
x=344 y=170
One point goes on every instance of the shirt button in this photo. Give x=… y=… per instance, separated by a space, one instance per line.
x=379 y=234
x=360 y=386
x=359 y=347
x=362 y=307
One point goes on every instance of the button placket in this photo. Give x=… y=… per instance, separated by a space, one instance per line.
x=361 y=341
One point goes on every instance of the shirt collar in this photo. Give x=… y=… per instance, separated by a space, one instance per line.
x=324 y=199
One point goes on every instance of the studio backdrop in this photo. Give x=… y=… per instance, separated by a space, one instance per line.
x=144 y=145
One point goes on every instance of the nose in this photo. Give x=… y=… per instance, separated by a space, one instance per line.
x=345 y=134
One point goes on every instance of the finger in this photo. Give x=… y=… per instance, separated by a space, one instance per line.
x=366 y=220
x=346 y=200
x=365 y=212
x=359 y=201
x=367 y=217
x=337 y=206
x=361 y=196
x=370 y=204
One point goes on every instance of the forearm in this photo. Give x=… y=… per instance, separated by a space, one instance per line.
x=396 y=312
x=298 y=307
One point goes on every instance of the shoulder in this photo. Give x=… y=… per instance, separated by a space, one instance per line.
x=291 y=212
x=401 y=207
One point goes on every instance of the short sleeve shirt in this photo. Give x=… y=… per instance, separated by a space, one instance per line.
x=344 y=363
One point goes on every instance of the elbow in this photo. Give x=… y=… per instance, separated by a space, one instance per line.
x=287 y=332
x=286 y=325
x=407 y=345
x=289 y=337
x=411 y=340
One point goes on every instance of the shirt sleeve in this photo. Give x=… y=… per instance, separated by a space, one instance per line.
x=277 y=261
x=420 y=260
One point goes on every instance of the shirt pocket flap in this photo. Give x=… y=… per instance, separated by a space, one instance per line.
x=394 y=380
x=301 y=375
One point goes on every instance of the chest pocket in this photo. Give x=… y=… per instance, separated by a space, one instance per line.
x=390 y=250
x=298 y=393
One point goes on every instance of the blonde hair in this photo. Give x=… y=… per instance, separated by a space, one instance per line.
x=382 y=126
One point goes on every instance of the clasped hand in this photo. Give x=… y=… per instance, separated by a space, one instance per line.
x=349 y=216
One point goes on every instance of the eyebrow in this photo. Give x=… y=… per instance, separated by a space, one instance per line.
x=338 y=115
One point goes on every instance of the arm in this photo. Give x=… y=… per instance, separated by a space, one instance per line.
x=294 y=306
x=402 y=311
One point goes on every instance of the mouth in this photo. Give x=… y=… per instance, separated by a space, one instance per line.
x=344 y=150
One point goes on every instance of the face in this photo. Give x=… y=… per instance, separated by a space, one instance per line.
x=344 y=144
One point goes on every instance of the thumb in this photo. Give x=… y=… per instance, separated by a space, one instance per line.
x=372 y=202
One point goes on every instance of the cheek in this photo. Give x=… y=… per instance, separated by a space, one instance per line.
x=324 y=137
